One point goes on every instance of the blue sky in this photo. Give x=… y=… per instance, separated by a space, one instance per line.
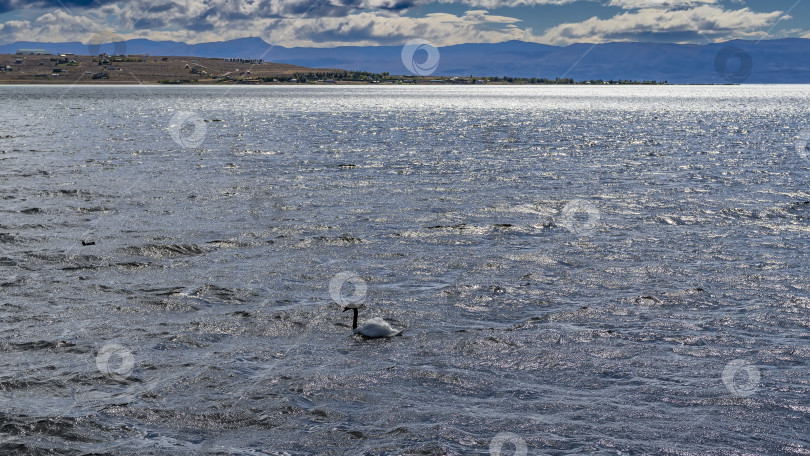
x=326 y=23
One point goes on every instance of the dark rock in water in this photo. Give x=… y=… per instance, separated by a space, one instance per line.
x=33 y=210
x=88 y=242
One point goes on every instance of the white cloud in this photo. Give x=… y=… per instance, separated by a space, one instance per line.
x=181 y=23
x=53 y=26
x=492 y=4
x=326 y=23
x=14 y=27
x=441 y=29
x=657 y=4
x=711 y=22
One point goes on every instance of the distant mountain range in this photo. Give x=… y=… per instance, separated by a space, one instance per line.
x=766 y=61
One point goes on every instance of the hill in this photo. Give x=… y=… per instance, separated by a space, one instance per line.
x=141 y=69
x=766 y=61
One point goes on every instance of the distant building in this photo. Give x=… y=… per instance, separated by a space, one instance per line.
x=32 y=52
x=250 y=61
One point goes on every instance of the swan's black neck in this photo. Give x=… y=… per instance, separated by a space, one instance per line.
x=354 y=322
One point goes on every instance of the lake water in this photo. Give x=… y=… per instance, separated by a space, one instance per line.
x=577 y=270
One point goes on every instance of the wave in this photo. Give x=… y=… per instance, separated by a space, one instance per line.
x=164 y=250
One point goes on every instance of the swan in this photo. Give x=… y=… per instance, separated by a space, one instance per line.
x=372 y=328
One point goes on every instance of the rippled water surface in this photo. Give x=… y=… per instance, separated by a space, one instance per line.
x=580 y=270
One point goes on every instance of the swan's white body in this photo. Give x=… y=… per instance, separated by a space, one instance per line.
x=377 y=327
x=374 y=327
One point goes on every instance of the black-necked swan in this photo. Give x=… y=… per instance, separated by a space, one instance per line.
x=373 y=328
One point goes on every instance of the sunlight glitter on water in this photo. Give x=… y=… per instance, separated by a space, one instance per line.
x=598 y=270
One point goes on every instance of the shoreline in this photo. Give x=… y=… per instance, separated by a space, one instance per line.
x=47 y=69
x=355 y=84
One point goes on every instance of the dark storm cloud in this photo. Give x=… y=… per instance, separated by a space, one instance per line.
x=355 y=32
x=315 y=8
x=227 y=10
x=204 y=22
x=11 y=5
